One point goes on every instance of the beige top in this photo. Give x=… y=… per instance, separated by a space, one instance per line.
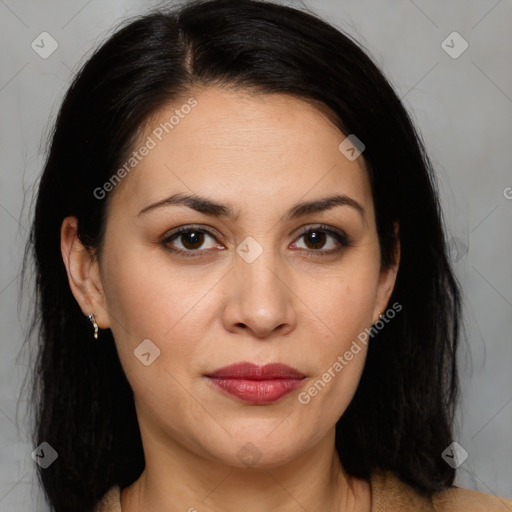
x=389 y=494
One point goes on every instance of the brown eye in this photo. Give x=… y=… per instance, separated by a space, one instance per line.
x=316 y=239
x=189 y=241
x=192 y=239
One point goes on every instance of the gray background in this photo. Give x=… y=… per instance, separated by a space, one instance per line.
x=463 y=107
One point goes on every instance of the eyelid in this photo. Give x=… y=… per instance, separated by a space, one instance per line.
x=323 y=227
x=192 y=227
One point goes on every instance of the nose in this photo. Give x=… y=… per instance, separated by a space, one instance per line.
x=260 y=297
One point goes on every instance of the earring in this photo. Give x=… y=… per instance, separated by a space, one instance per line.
x=94 y=324
x=380 y=318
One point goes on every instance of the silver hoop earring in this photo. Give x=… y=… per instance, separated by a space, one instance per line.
x=94 y=324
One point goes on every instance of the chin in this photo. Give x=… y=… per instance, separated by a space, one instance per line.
x=261 y=450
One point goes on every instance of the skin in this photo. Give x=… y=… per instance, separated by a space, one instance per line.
x=259 y=154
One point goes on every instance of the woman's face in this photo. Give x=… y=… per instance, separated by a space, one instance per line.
x=255 y=279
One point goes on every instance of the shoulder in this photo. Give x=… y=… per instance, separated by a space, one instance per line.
x=111 y=501
x=456 y=498
x=389 y=493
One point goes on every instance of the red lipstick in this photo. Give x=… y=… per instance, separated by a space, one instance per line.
x=257 y=385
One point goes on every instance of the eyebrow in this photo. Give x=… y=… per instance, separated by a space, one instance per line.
x=209 y=207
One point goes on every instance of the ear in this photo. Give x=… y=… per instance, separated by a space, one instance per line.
x=82 y=268
x=387 y=279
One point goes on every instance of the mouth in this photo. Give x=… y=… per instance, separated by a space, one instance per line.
x=256 y=385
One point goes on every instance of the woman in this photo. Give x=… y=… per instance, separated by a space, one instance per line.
x=245 y=296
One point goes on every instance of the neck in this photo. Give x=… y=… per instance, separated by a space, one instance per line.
x=176 y=479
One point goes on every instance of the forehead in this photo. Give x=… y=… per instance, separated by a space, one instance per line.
x=223 y=143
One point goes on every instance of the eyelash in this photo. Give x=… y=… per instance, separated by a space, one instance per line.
x=341 y=237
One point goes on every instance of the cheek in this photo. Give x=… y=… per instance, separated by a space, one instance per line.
x=147 y=295
x=344 y=299
x=156 y=301
x=345 y=308
x=153 y=328
x=327 y=395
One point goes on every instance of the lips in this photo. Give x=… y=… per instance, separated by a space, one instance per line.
x=257 y=385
